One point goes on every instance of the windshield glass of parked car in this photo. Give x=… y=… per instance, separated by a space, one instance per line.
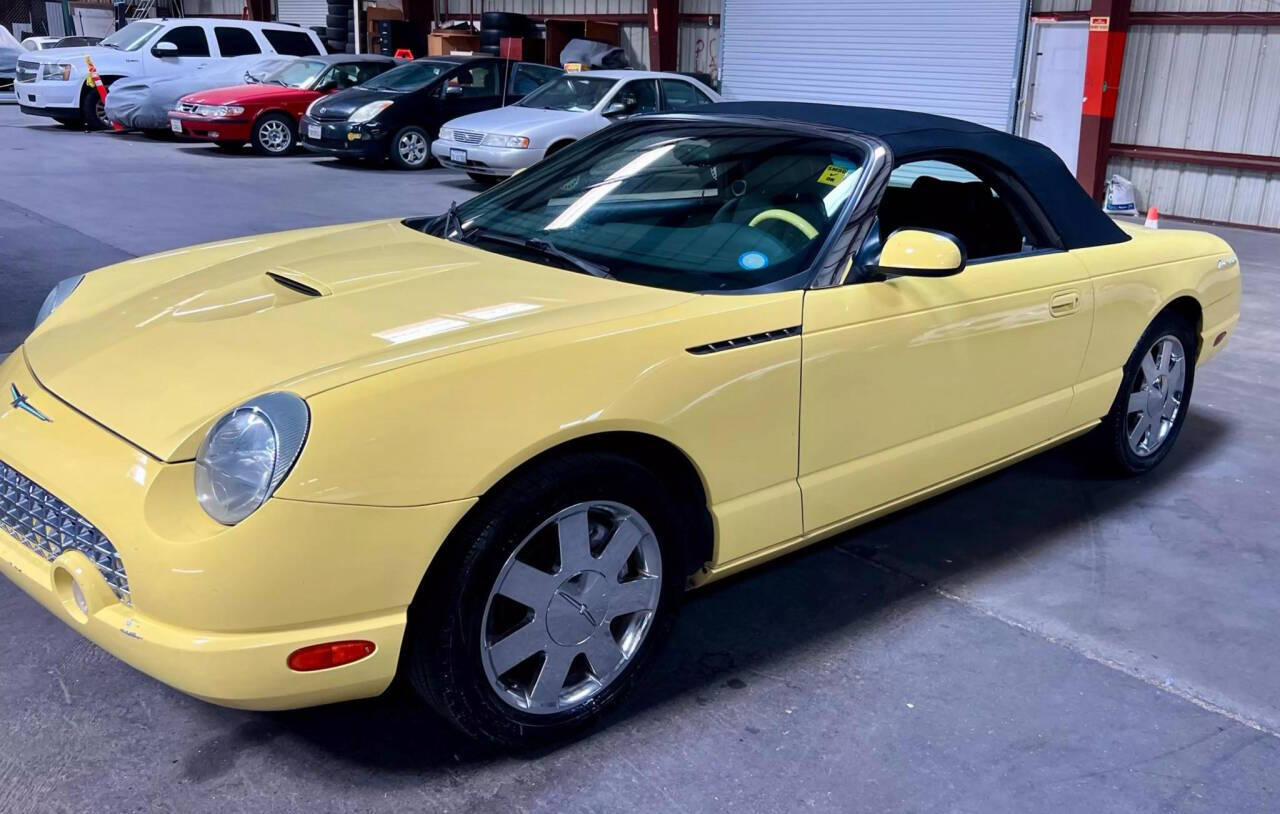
x=132 y=37
x=685 y=206
x=409 y=77
x=299 y=74
x=574 y=93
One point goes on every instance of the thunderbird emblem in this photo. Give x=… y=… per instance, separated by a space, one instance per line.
x=19 y=402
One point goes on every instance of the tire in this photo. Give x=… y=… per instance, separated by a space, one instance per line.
x=457 y=621
x=335 y=21
x=339 y=8
x=491 y=38
x=410 y=148
x=336 y=34
x=230 y=146
x=274 y=134
x=1168 y=400
x=92 y=111
x=510 y=23
x=485 y=181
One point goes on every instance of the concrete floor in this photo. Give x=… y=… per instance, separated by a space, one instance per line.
x=1037 y=641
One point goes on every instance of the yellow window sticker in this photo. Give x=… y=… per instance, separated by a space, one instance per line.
x=833 y=175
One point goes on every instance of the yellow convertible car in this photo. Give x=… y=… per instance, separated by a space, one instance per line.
x=488 y=451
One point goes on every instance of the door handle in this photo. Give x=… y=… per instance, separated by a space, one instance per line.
x=1063 y=303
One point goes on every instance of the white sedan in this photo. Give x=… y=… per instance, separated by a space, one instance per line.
x=494 y=144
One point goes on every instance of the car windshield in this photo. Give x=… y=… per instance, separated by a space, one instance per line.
x=132 y=37
x=409 y=77
x=687 y=206
x=575 y=93
x=299 y=74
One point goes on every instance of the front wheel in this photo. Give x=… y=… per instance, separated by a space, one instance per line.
x=553 y=597
x=274 y=134
x=410 y=148
x=93 y=111
x=1151 y=406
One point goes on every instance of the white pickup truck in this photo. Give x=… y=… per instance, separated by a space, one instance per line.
x=52 y=82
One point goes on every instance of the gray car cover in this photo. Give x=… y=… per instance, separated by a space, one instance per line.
x=10 y=48
x=594 y=54
x=143 y=103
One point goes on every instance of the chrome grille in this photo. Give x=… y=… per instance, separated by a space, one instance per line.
x=467 y=137
x=27 y=71
x=48 y=527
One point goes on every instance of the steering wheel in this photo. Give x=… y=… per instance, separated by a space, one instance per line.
x=787 y=217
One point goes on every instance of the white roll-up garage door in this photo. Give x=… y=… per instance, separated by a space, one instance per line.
x=305 y=13
x=939 y=56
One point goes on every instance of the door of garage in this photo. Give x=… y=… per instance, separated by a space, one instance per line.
x=937 y=56
x=305 y=13
x=1055 y=87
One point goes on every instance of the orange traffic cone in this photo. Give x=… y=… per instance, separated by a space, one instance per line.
x=1153 y=218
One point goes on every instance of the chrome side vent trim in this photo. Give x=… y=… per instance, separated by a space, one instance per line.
x=295 y=285
x=744 y=341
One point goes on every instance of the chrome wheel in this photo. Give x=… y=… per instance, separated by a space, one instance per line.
x=571 y=607
x=274 y=136
x=100 y=110
x=1156 y=399
x=412 y=148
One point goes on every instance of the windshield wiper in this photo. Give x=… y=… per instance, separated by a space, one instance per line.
x=546 y=248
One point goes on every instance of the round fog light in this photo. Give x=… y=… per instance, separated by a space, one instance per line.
x=78 y=595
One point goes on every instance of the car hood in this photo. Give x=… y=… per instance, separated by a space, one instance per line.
x=76 y=55
x=345 y=102
x=155 y=349
x=258 y=94
x=515 y=119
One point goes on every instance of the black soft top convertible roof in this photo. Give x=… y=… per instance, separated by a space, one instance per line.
x=1078 y=220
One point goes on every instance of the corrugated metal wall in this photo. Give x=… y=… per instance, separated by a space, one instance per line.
x=635 y=37
x=699 y=47
x=1214 y=88
x=1046 y=6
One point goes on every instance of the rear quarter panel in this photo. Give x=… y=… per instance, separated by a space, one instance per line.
x=1133 y=282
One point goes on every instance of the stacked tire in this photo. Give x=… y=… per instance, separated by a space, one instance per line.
x=494 y=25
x=340 y=32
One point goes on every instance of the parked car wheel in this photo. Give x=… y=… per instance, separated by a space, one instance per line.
x=509 y=23
x=1154 y=395
x=411 y=148
x=559 y=590
x=274 y=134
x=93 y=111
x=230 y=146
x=483 y=180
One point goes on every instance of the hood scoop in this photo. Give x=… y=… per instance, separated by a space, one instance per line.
x=299 y=282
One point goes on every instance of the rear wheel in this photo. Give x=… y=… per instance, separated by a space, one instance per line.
x=1151 y=406
x=552 y=598
x=274 y=134
x=410 y=148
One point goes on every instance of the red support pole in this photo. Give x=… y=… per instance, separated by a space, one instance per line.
x=664 y=19
x=1108 y=24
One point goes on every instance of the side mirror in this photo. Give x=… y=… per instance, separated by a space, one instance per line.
x=164 y=49
x=452 y=90
x=921 y=253
x=615 y=109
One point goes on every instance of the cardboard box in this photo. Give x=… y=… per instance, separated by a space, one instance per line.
x=441 y=43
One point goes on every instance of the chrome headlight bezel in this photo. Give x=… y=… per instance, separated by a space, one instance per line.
x=218 y=111
x=57 y=296
x=56 y=71
x=248 y=453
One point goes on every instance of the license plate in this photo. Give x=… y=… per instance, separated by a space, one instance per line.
x=175 y=125
x=313 y=131
x=458 y=156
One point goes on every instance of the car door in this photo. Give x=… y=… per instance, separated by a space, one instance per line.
x=633 y=98
x=192 y=44
x=527 y=77
x=912 y=382
x=678 y=94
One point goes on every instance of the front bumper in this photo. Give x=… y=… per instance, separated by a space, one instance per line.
x=215 y=610
x=206 y=129
x=496 y=161
x=343 y=139
x=61 y=99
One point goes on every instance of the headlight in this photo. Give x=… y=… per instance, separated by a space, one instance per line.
x=367 y=112
x=497 y=140
x=446 y=134
x=56 y=297
x=218 y=111
x=60 y=71
x=248 y=453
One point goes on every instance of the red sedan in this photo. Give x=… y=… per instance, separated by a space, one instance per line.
x=266 y=115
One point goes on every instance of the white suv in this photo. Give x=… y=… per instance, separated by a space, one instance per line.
x=52 y=82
